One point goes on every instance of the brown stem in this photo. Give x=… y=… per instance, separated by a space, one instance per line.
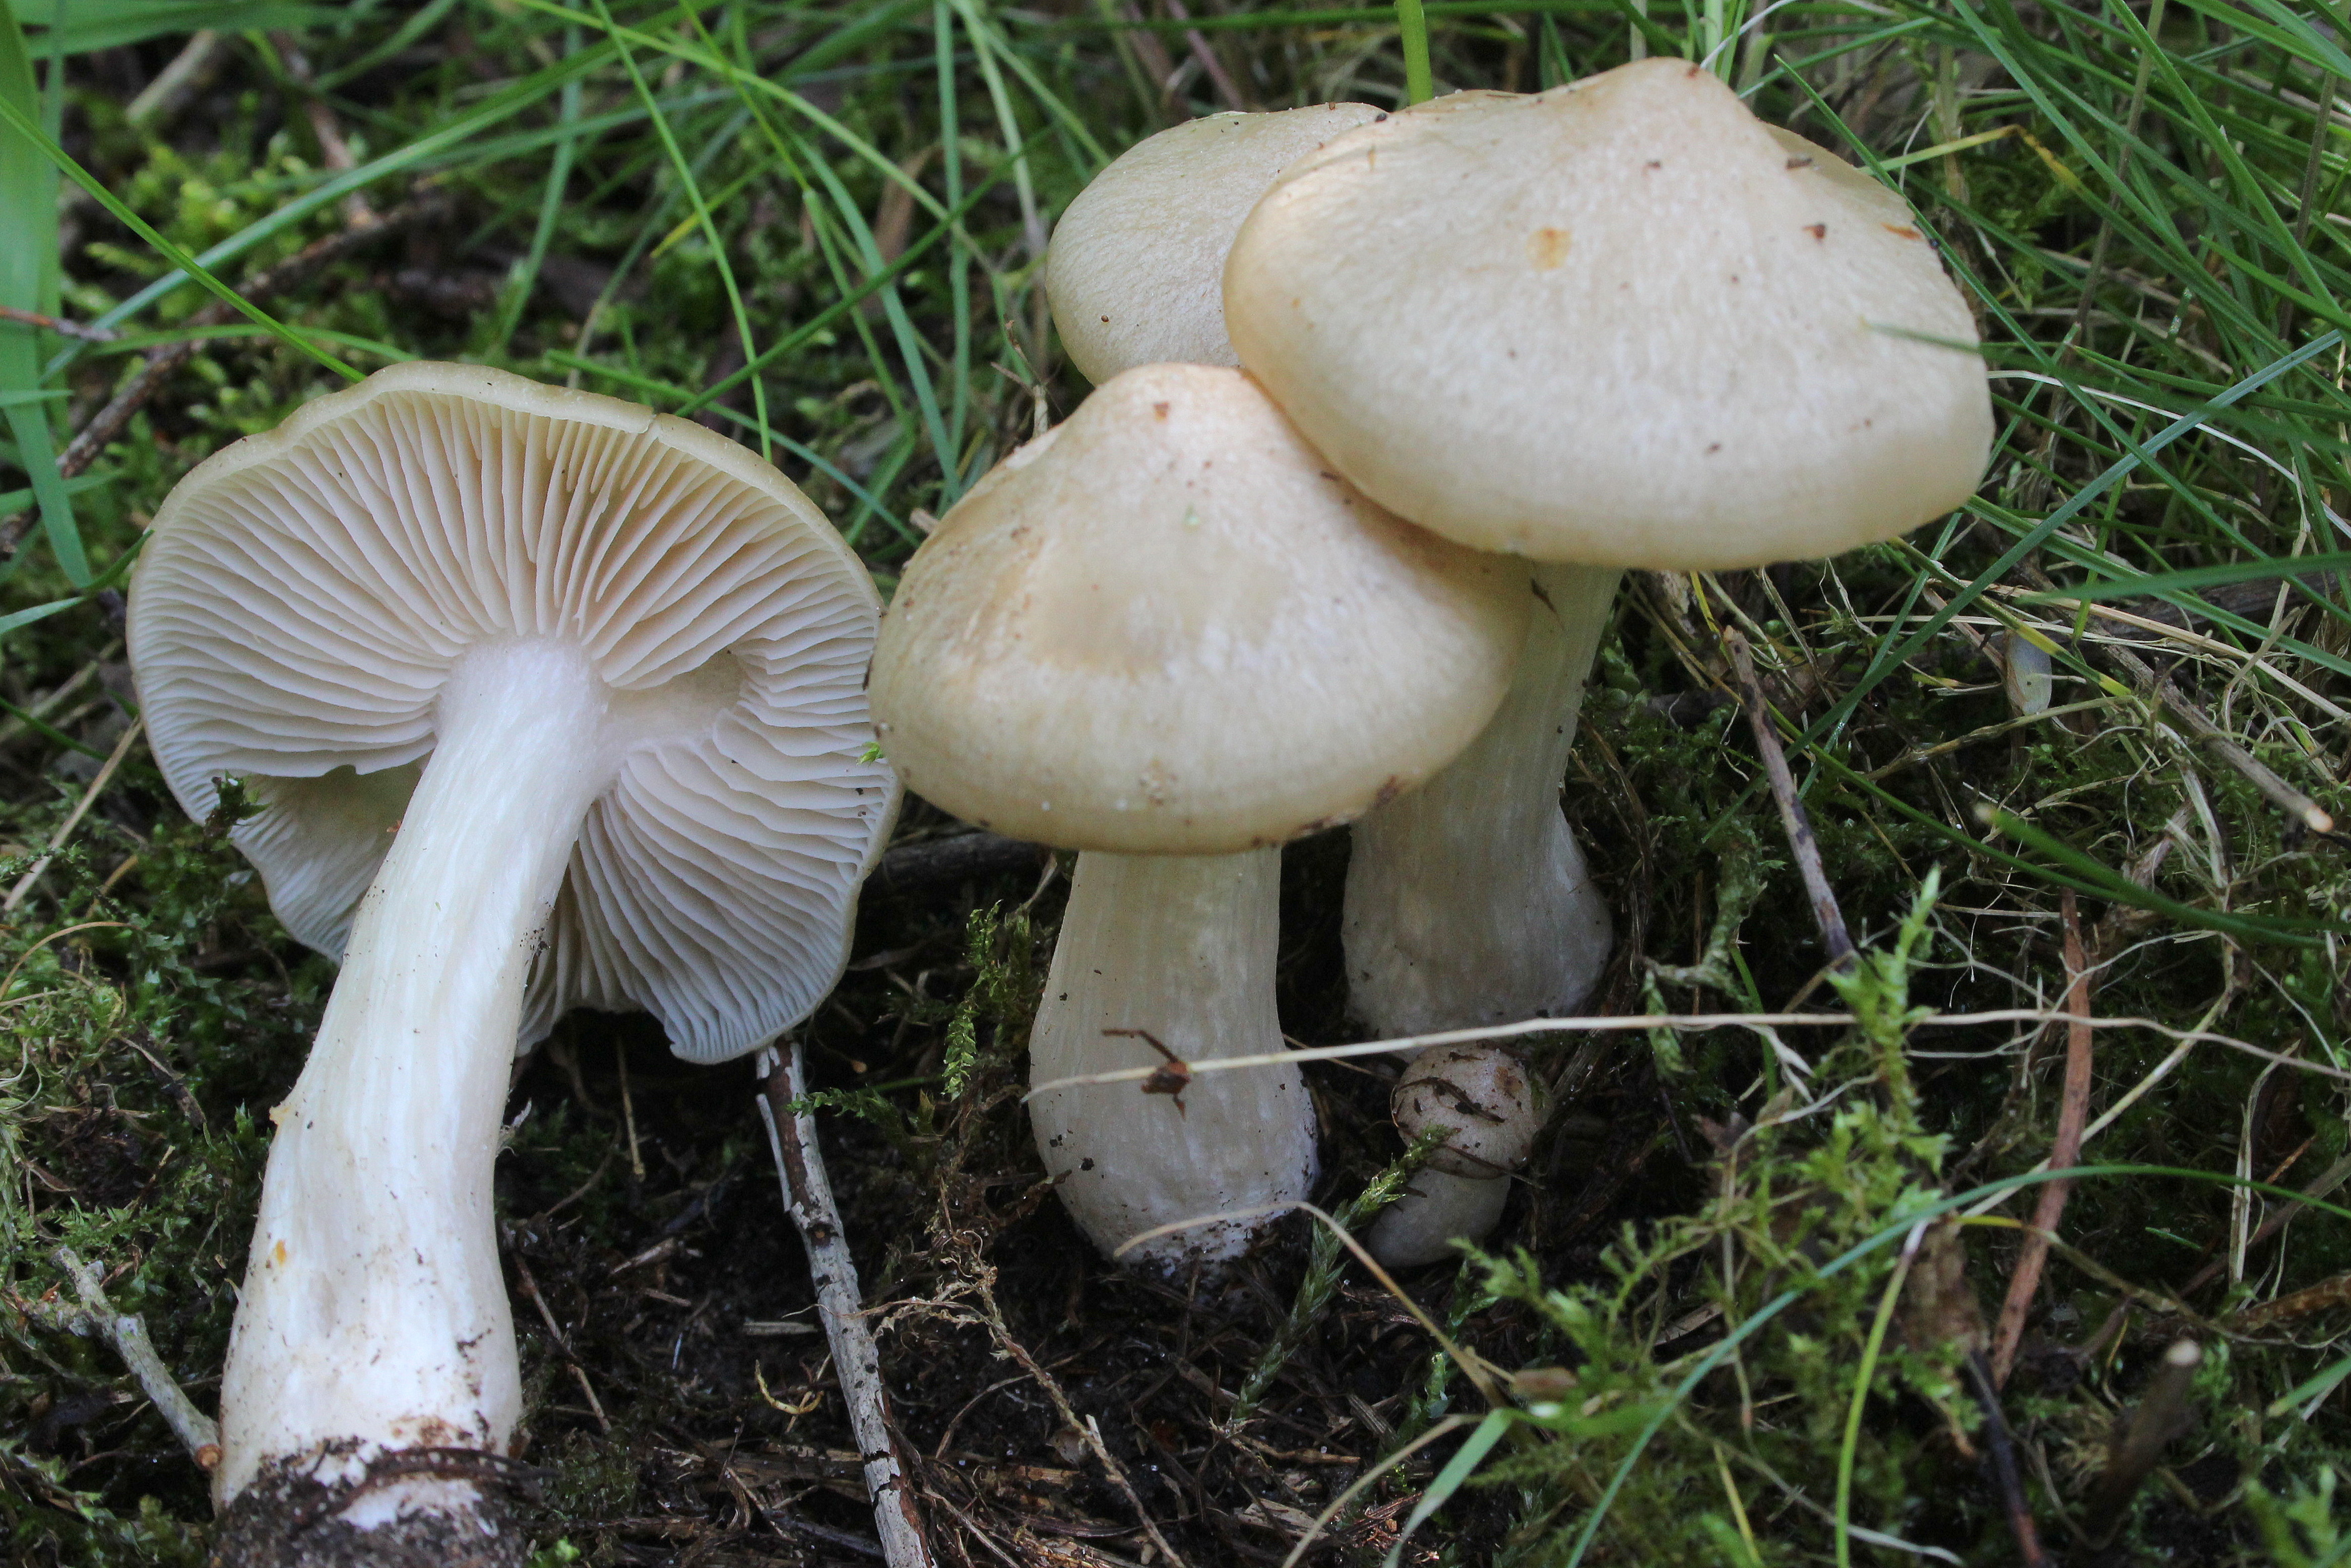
x=2072 y=1113
x=1210 y=61
x=2005 y=1474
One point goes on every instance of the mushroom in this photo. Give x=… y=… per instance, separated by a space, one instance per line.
x=1166 y=635
x=1487 y=1108
x=1684 y=340
x=1621 y=323
x=1137 y=257
x=551 y=702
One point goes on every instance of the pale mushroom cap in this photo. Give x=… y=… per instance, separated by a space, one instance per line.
x=1175 y=630
x=304 y=593
x=1622 y=322
x=1481 y=1097
x=1135 y=272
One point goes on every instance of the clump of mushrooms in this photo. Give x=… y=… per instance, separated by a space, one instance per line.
x=1621 y=323
x=551 y=701
x=1166 y=635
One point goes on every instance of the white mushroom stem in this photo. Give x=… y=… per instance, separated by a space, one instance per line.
x=1438 y=1209
x=373 y=1314
x=1467 y=900
x=1181 y=946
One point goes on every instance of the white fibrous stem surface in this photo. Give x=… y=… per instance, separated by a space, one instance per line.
x=1468 y=899
x=373 y=1314
x=1439 y=1209
x=1182 y=947
x=1488 y=1108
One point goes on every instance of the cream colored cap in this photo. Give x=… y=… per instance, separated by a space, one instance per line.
x=1167 y=627
x=304 y=593
x=1138 y=258
x=1622 y=323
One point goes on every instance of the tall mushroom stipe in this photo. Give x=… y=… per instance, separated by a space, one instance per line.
x=551 y=701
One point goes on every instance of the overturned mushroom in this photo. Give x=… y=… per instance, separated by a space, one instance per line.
x=551 y=701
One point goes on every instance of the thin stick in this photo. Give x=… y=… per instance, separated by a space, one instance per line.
x=127 y=1332
x=1210 y=62
x=333 y=151
x=2072 y=1111
x=58 y=325
x=807 y=1197
x=176 y=82
x=2325 y=1296
x=933 y=862
x=1792 y=815
x=81 y=809
x=2293 y=801
x=48 y=704
x=2160 y=1415
x=2003 y=1463
x=2324 y=1183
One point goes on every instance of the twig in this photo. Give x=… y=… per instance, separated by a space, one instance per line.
x=933 y=862
x=23 y=723
x=2297 y=804
x=2160 y=1415
x=808 y=1195
x=177 y=82
x=562 y=1345
x=56 y=324
x=127 y=1332
x=333 y=151
x=2066 y=1150
x=629 y=1115
x=2322 y=1297
x=2003 y=1463
x=81 y=809
x=1793 y=815
x=162 y=363
x=1209 y=60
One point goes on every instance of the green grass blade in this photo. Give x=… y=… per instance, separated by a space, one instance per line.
x=1412 y=35
x=28 y=210
x=1466 y=1459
